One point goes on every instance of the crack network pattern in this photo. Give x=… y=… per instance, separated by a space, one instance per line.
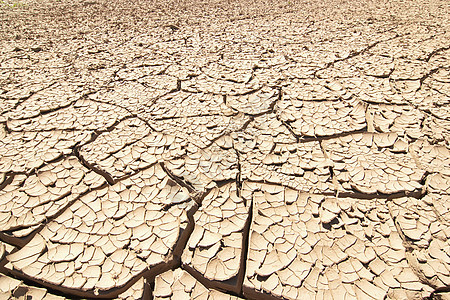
x=224 y=149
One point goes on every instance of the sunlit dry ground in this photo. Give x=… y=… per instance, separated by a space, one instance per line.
x=224 y=150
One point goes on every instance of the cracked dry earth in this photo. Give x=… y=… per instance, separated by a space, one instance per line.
x=225 y=149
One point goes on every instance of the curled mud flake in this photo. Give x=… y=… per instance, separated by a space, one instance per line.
x=409 y=69
x=201 y=131
x=206 y=84
x=139 y=290
x=437 y=130
x=5 y=249
x=230 y=72
x=178 y=284
x=433 y=98
x=312 y=89
x=262 y=133
x=439 y=183
x=375 y=65
x=374 y=90
x=11 y=288
x=131 y=146
x=137 y=95
x=52 y=98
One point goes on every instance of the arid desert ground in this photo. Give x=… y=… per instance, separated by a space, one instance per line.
x=224 y=149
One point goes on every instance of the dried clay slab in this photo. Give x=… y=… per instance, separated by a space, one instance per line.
x=204 y=168
x=371 y=163
x=424 y=224
x=312 y=246
x=322 y=118
x=108 y=237
x=82 y=114
x=302 y=166
x=131 y=146
x=214 y=249
x=25 y=151
x=11 y=288
x=33 y=199
x=179 y=284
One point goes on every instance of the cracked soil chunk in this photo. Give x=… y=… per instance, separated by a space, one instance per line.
x=109 y=236
x=214 y=248
x=308 y=245
x=179 y=284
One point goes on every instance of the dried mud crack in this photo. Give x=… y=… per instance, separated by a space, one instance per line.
x=224 y=150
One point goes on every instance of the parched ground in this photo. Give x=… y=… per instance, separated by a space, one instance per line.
x=224 y=149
